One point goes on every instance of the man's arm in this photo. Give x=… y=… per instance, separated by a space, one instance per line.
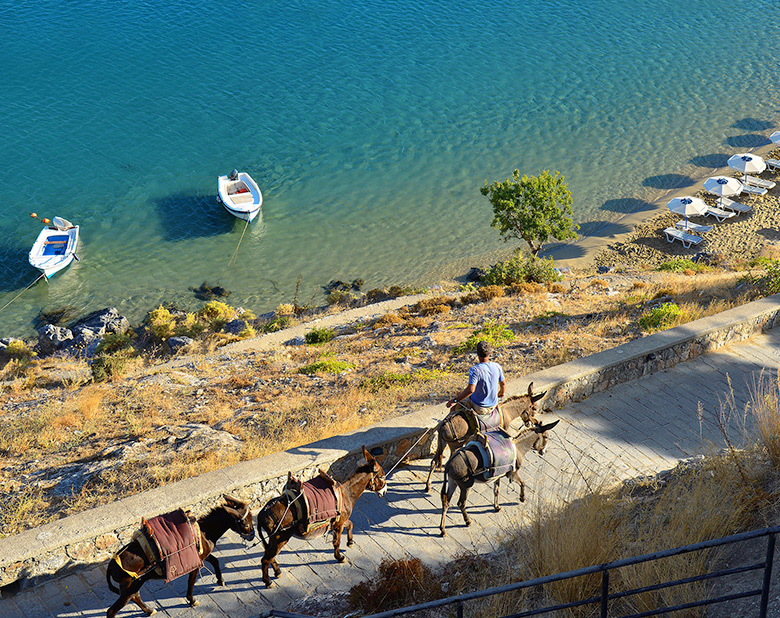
x=501 y=385
x=461 y=395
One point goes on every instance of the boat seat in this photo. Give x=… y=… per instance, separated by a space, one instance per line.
x=241 y=198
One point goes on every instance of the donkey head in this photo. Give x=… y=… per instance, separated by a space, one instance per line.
x=528 y=413
x=241 y=517
x=542 y=436
x=377 y=482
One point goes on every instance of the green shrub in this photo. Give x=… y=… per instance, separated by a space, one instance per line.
x=113 y=342
x=660 y=317
x=280 y=322
x=390 y=379
x=110 y=366
x=681 y=264
x=216 y=313
x=18 y=349
x=190 y=326
x=769 y=282
x=318 y=336
x=160 y=323
x=494 y=333
x=521 y=269
x=326 y=365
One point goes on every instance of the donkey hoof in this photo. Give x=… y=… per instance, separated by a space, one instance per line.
x=443 y=533
x=194 y=603
x=497 y=509
x=269 y=583
x=152 y=613
x=340 y=558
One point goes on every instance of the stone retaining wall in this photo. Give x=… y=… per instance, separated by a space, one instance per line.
x=93 y=536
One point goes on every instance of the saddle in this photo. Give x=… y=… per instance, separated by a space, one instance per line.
x=313 y=503
x=479 y=422
x=171 y=544
x=496 y=452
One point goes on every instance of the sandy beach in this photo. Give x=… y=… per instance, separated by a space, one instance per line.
x=637 y=240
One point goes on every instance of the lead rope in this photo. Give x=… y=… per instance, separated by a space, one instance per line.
x=425 y=433
x=235 y=253
x=23 y=291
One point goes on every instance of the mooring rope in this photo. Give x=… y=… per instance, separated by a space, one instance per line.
x=235 y=253
x=23 y=291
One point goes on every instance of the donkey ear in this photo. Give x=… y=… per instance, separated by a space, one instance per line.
x=531 y=389
x=369 y=457
x=549 y=426
x=234 y=501
x=234 y=513
x=535 y=398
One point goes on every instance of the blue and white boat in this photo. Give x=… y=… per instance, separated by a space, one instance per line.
x=240 y=195
x=55 y=247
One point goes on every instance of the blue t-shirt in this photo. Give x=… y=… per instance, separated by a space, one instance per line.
x=485 y=378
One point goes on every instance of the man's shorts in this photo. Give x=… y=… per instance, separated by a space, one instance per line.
x=479 y=409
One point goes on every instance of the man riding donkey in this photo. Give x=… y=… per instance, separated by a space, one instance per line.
x=485 y=388
x=475 y=409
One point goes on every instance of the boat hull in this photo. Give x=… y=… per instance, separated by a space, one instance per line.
x=54 y=249
x=240 y=197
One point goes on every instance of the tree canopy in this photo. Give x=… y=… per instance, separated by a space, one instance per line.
x=532 y=208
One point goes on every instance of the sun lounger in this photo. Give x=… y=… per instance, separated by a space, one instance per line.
x=719 y=213
x=772 y=164
x=754 y=181
x=735 y=206
x=753 y=190
x=687 y=226
x=687 y=240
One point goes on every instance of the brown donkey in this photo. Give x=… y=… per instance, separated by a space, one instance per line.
x=463 y=470
x=454 y=431
x=278 y=518
x=235 y=515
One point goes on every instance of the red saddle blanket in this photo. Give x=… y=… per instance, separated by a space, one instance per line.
x=173 y=536
x=321 y=503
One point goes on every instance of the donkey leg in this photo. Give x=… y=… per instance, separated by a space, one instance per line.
x=496 y=489
x=348 y=526
x=190 y=587
x=464 y=493
x=217 y=571
x=144 y=607
x=447 y=490
x=516 y=478
x=435 y=462
x=337 y=528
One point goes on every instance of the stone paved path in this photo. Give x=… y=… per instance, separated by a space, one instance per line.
x=635 y=428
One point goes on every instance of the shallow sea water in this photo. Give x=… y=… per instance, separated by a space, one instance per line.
x=370 y=127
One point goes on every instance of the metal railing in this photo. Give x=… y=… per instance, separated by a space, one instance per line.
x=604 y=598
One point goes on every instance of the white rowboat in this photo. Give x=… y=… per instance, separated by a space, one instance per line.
x=240 y=195
x=55 y=247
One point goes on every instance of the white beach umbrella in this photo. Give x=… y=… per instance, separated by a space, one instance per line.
x=747 y=164
x=722 y=186
x=687 y=206
x=775 y=137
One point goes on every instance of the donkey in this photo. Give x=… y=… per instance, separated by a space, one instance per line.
x=463 y=469
x=235 y=515
x=278 y=520
x=455 y=430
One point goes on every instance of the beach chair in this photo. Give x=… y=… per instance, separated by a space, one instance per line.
x=735 y=206
x=687 y=226
x=773 y=164
x=687 y=240
x=754 y=181
x=720 y=214
x=753 y=190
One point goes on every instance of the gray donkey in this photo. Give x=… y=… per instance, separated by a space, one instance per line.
x=467 y=466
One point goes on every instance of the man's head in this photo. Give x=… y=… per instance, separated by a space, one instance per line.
x=483 y=350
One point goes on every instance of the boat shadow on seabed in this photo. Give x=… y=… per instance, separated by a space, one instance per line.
x=184 y=216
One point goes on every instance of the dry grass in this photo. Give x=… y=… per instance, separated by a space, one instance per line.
x=262 y=398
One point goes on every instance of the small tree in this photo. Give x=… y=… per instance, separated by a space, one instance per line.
x=532 y=208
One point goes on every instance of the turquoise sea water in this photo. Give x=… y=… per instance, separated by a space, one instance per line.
x=370 y=127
